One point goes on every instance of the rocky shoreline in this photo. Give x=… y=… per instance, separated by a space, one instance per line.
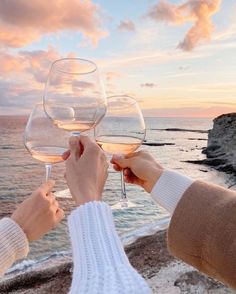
x=221 y=146
x=148 y=255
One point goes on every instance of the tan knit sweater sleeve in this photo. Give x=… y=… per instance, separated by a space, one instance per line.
x=202 y=231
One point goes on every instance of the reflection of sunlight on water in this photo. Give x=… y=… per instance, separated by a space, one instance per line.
x=20 y=174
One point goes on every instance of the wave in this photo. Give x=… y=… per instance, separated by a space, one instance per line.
x=44 y=262
x=181 y=130
x=60 y=257
x=146 y=230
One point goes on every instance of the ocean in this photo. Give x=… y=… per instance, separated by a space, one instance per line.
x=20 y=174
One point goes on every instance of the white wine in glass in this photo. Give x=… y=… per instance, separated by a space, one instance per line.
x=118 y=144
x=44 y=140
x=121 y=131
x=74 y=96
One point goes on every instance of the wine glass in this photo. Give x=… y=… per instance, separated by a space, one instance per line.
x=121 y=131
x=74 y=95
x=44 y=140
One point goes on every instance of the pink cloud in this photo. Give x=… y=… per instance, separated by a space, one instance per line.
x=10 y=63
x=24 y=21
x=148 y=85
x=39 y=62
x=36 y=64
x=126 y=25
x=187 y=111
x=111 y=75
x=197 y=11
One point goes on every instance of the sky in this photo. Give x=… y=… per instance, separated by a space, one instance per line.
x=176 y=58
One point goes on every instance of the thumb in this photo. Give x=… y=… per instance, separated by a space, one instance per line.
x=74 y=147
x=60 y=214
x=121 y=161
x=66 y=154
x=47 y=186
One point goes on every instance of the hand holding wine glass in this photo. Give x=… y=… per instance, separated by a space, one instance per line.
x=86 y=170
x=121 y=131
x=44 y=140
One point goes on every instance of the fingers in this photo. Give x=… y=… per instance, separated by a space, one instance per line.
x=129 y=176
x=59 y=215
x=79 y=144
x=116 y=167
x=74 y=148
x=57 y=211
x=89 y=145
x=47 y=186
x=121 y=161
x=127 y=172
x=55 y=204
x=66 y=154
x=85 y=140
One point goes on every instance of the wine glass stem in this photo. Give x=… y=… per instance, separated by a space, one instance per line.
x=48 y=167
x=124 y=198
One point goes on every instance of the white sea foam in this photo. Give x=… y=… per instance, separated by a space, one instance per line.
x=58 y=258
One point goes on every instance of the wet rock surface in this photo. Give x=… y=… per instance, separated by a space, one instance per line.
x=221 y=145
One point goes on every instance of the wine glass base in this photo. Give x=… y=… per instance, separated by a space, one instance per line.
x=124 y=205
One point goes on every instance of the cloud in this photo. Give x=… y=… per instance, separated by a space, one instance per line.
x=197 y=11
x=148 y=85
x=184 y=67
x=110 y=75
x=127 y=25
x=187 y=111
x=23 y=75
x=18 y=95
x=10 y=63
x=24 y=21
x=39 y=62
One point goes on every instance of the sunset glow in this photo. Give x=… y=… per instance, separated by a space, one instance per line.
x=177 y=58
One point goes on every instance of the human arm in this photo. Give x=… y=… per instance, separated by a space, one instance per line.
x=30 y=221
x=100 y=263
x=202 y=230
x=165 y=186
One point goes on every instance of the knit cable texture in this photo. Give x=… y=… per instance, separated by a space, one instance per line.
x=170 y=188
x=100 y=263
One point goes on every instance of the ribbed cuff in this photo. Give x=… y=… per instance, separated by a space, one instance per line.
x=169 y=189
x=95 y=243
x=14 y=243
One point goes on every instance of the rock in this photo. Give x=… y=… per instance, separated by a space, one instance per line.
x=181 y=130
x=157 y=144
x=221 y=145
x=198 y=139
x=222 y=141
x=193 y=281
x=149 y=255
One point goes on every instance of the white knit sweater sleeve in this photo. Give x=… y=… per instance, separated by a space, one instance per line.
x=13 y=244
x=169 y=189
x=100 y=263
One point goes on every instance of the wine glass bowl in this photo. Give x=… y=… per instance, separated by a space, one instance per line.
x=74 y=96
x=44 y=140
x=121 y=131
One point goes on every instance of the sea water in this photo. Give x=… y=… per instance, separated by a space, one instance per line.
x=20 y=174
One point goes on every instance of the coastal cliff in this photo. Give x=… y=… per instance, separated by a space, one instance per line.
x=221 y=147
